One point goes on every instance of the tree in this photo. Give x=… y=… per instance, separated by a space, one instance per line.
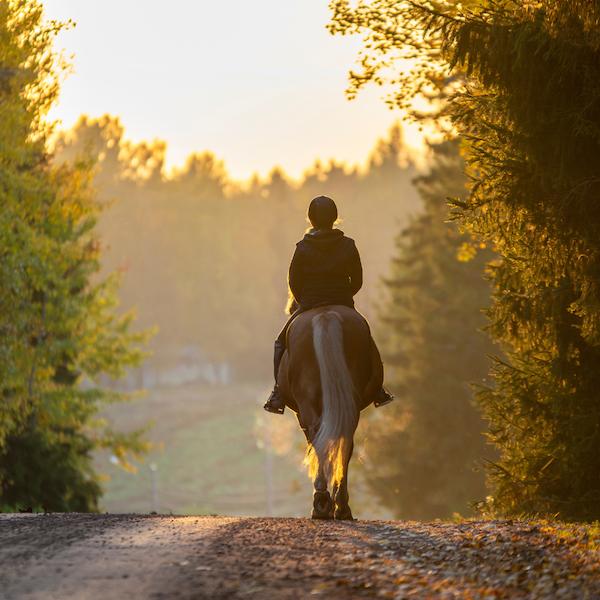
x=531 y=115
x=56 y=319
x=422 y=453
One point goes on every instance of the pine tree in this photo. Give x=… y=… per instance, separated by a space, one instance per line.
x=529 y=108
x=422 y=453
x=56 y=319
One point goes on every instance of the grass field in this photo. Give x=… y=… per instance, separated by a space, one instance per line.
x=213 y=459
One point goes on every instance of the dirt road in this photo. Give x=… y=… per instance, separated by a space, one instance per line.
x=105 y=557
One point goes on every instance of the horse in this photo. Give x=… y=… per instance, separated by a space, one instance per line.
x=330 y=372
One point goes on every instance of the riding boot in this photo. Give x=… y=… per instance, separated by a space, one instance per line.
x=384 y=398
x=275 y=404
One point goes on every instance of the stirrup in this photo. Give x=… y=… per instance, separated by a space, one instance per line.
x=276 y=408
x=385 y=397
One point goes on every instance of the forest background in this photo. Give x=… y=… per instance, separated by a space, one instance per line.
x=206 y=257
x=536 y=208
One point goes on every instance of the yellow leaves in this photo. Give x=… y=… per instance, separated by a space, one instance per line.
x=581 y=537
x=491 y=559
x=466 y=252
x=531 y=7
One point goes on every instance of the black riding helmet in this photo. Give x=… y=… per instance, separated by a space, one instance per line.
x=322 y=212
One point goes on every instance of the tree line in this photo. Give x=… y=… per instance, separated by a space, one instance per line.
x=206 y=257
x=514 y=87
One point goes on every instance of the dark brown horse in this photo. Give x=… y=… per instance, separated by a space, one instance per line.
x=330 y=372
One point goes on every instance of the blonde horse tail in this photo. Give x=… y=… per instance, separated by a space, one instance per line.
x=332 y=444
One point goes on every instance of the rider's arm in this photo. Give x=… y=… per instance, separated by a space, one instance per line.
x=356 y=272
x=296 y=275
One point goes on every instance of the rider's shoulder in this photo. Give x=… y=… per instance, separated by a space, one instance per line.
x=349 y=244
x=320 y=236
x=332 y=240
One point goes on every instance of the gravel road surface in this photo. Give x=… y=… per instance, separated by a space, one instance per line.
x=157 y=557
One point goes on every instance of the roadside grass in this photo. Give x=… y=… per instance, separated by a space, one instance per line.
x=581 y=537
x=210 y=462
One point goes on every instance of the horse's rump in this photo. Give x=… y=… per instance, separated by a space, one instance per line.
x=357 y=344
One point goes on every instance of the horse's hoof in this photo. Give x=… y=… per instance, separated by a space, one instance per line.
x=322 y=506
x=344 y=514
x=320 y=517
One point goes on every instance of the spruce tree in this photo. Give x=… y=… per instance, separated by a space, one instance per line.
x=422 y=451
x=528 y=106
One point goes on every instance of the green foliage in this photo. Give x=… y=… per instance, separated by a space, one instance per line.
x=531 y=113
x=56 y=319
x=423 y=451
x=50 y=469
x=208 y=256
x=402 y=52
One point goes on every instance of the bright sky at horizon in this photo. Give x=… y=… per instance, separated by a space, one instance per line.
x=259 y=84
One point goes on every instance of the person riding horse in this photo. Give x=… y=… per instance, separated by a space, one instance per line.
x=325 y=270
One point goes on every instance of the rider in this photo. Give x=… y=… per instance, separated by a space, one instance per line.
x=325 y=270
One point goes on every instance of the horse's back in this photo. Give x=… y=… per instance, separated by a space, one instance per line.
x=354 y=325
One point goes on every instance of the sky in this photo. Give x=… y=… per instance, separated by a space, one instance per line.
x=257 y=83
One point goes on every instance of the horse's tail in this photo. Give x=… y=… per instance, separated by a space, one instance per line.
x=332 y=443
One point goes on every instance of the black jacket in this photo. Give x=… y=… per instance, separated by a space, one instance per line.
x=325 y=268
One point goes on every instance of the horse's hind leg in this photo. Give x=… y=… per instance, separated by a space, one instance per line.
x=341 y=496
x=342 y=508
x=322 y=501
